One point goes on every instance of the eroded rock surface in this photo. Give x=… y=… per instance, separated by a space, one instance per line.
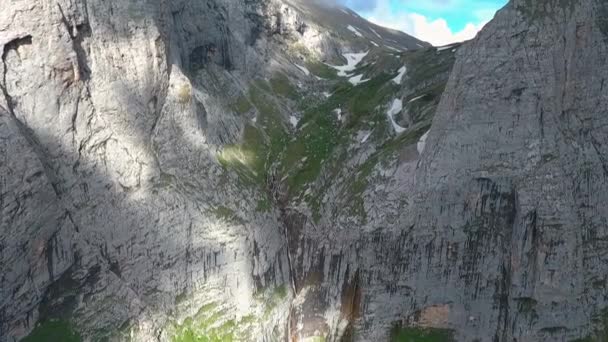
x=277 y=170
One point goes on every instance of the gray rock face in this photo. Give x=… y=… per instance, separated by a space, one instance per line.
x=109 y=179
x=495 y=232
x=532 y=146
x=180 y=168
x=117 y=219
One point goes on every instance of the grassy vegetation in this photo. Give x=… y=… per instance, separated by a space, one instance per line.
x=526 y=305
x=247 y=159
x=424 y=67
x=56 y=310
x=228 y=215
x=315 y=339
x=53 y=330
x=322 y=70
x=271 y=123
x=425 y=107
x=276 y=297
x=402 y=334
x=425 y=64
x=262 y=84
x=587 y=339
x=600 y=333
x=427 y=75
x=321 y=133
x=305 y=155
x=365 y=99
x=354 y=188
x=264 y=205
x=212 y=324
x=312 y=62
x=242 y=105
x=181 y=298
x=280 y=292
x=321 y=144
x=261 y=143
x=280 y=85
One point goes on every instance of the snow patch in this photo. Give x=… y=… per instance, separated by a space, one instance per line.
x=399 y=77
x=352 y=60
x=422 y=142
x=366 y=137
x=376 y=33
x=395 y=109
x=392 y=48
x=338 y=113
x=355 y=31
x=374 y=43
x=441 y=48
x=356 y=80
x=326 y=94
x=416 y=98
x=294 y=121
x=304 y=69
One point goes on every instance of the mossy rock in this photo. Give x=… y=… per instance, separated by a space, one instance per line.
x=600 y=333
x=53 y=330
x=227 y=215
x=415 y=334
x=264 y=205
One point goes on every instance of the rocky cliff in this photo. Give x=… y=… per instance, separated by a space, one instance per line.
x=282 y=170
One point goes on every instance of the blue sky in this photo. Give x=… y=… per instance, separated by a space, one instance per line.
x=439 y=22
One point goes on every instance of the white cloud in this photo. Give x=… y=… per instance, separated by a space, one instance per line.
x=436 y=32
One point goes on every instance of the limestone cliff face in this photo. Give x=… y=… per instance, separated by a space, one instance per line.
x=277 y=170
x=499 y=224
x=113 y=203
x=513 y=181
x=122 y=213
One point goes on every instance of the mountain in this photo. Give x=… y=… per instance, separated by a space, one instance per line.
x=284 y=170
